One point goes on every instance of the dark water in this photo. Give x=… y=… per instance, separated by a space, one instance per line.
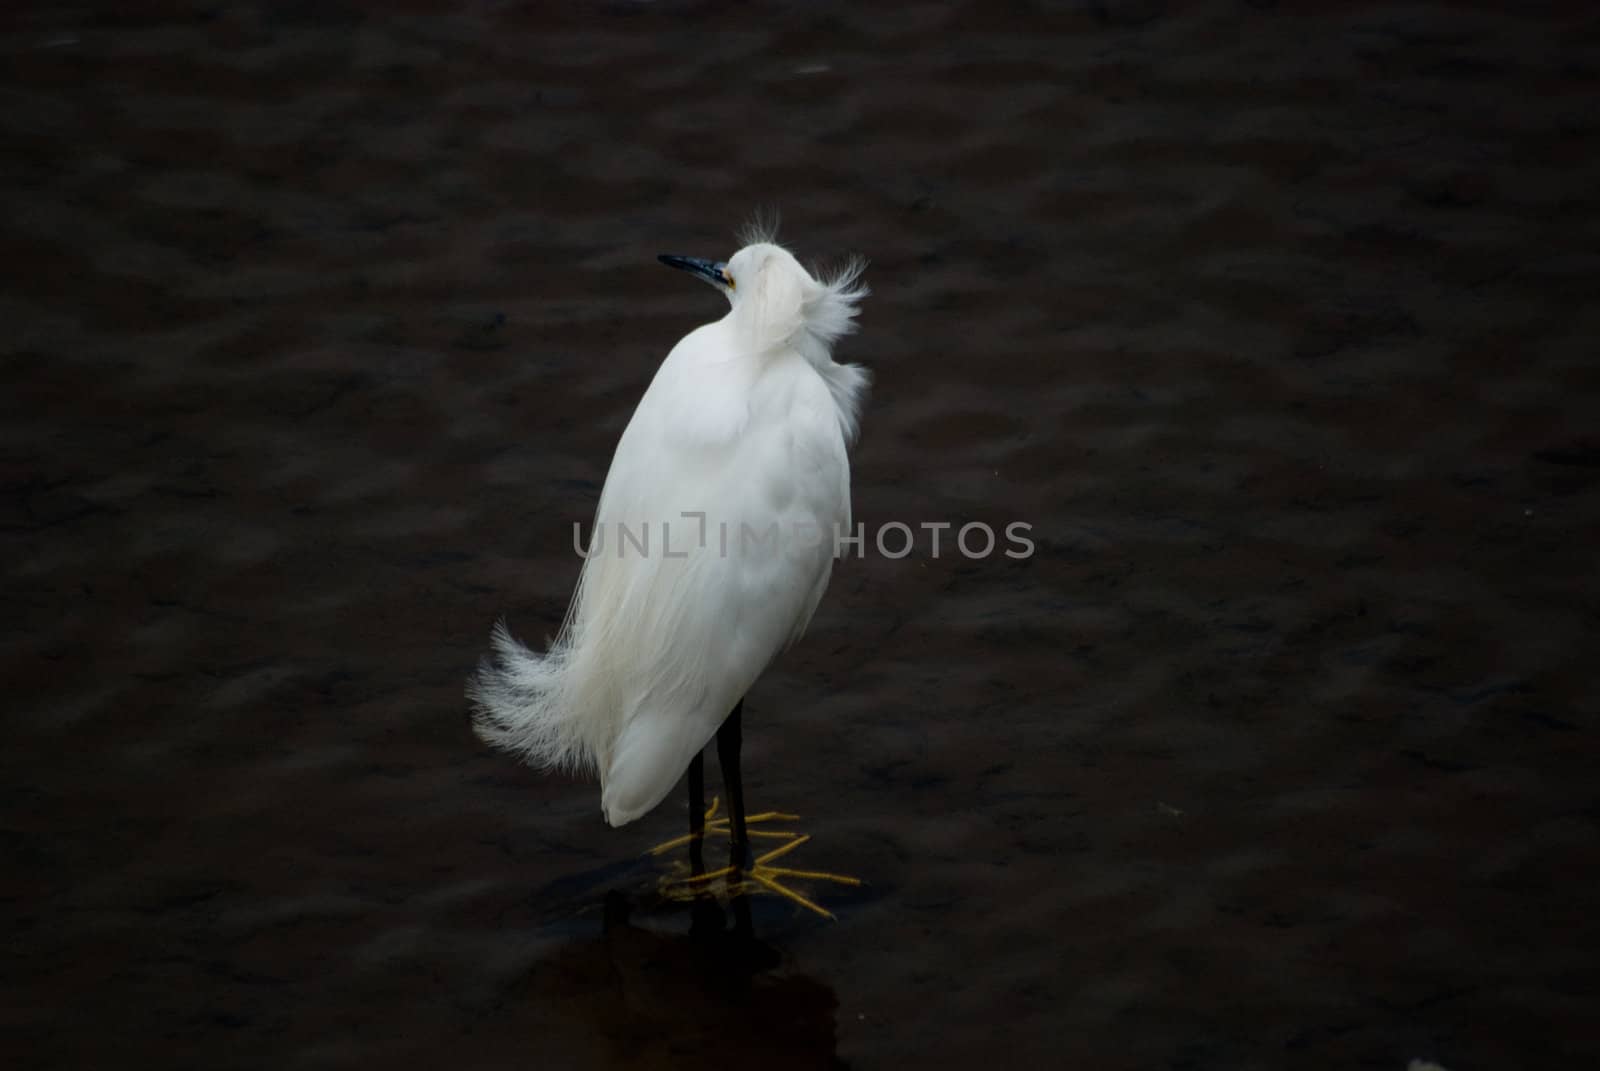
x=1278 y=326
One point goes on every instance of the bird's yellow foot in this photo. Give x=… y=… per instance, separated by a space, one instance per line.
x=760 y=877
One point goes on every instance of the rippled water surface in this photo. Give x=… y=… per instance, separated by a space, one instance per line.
x=1275 y=322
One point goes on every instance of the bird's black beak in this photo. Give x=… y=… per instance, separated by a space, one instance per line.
x=714 y=272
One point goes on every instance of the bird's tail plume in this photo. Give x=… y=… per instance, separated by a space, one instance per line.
x=522 y=703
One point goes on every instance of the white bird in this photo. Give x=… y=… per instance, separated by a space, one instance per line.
x=743 y=428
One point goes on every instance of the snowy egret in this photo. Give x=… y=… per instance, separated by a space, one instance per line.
x=740 y=437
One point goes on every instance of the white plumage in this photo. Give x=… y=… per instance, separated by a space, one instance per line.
x=746 y=421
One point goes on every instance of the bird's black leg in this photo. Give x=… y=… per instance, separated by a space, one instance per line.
x=706 y=916
x=744 y=871
x=729 y=737
x=697 y=813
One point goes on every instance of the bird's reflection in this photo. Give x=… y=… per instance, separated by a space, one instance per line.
x=711 y=998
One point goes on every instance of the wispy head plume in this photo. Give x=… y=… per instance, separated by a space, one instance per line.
x=761 y=227
x=830 y=314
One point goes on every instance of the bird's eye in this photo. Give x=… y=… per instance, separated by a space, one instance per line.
x=727 y=277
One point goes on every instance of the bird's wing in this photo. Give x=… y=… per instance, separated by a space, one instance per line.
x=689 y=635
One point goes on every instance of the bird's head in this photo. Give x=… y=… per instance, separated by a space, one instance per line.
x=749 y=274
x=775 y=300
